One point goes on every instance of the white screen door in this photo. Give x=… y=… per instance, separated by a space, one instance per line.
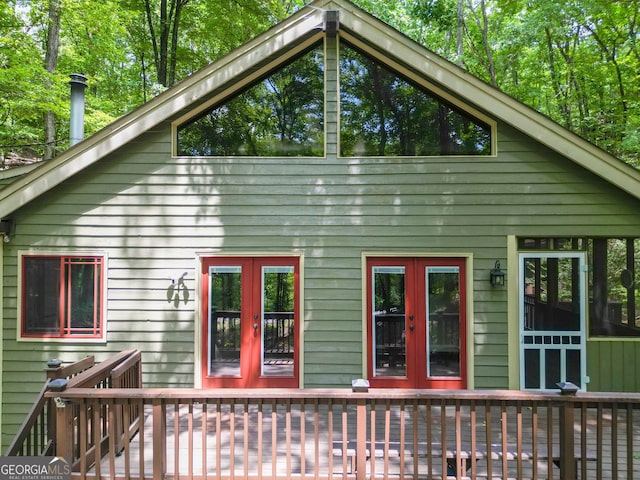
x=552 y=293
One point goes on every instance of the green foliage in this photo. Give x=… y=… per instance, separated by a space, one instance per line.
x=384 y=114
x=281 y=116
x=576 y=61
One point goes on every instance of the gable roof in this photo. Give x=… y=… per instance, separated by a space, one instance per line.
x=294 y=34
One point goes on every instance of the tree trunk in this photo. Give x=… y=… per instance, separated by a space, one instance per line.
x=164 y=38
x=563 y=106
x=174 y=40
x=483 y=26
x=164 y=43
x=460 y=33
x=50 y=63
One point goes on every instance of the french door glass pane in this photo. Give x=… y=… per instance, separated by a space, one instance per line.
x=443 y=321
x=224 y=320
x=278 y=321
x=389 y=321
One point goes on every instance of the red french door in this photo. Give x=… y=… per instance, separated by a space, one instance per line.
x=416 y=316
x=251 y=322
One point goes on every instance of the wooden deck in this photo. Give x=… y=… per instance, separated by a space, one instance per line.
x=122 y=431
x=329 y=434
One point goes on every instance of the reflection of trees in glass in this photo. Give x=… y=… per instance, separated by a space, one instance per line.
x=278 y=291
x=389 y=290
x=383 y=114
x=226 y=291
x=623 y=278
x=280 y=116
x=81 y=273
x=444 y=293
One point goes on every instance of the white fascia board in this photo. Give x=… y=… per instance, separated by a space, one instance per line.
x=158 y=110
x=500 y=105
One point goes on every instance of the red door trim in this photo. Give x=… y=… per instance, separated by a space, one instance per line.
x=415 y=305
x=250 y=338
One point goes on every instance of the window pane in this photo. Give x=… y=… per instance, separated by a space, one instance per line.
x=443 y=321
x=615 y=286
x=389 y=321
x=82 y=306
x=283 y=115
x=384 y=114
x=42 y=296
x=224 y=320
x=552 y=293
x=278 y=321
x=62 y=296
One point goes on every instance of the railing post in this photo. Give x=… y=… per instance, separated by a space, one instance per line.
x=567 y=442
x=159 y=440
x=361 y=385
x=361 y=440
x=53 y=369
x=63 y=421
x=53 y=372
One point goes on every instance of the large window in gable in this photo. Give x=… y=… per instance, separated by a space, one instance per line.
x=382 y=113
x=282 y=115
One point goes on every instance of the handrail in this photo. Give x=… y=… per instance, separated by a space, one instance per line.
x=71 y=370
x=34 y=419
x=37 y=430
x=95 y=376
x=149 y=394
x=37 y=433
x=122 y=370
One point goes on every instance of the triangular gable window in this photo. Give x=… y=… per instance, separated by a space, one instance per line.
x=383 y=114
x=283 y=115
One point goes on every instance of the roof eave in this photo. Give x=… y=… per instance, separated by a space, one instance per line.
x=353 y=21
x=159 y=109
x=503 y=107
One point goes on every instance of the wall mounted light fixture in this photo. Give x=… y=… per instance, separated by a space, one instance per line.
x=496 y=276
x=7 y=230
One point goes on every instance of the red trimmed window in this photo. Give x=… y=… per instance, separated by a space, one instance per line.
x=62 y=296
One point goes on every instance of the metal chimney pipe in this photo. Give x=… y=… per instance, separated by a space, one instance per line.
x=78 y=83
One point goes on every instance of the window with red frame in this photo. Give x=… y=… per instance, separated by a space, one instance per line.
x=62 y=296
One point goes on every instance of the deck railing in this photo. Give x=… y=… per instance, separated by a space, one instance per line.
x=323 y=434
x=36 y=434
x=82 y=426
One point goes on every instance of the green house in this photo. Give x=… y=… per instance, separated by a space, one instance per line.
x=330 y=201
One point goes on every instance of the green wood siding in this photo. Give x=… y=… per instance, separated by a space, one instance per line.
x=614 y=365
x=151 y=214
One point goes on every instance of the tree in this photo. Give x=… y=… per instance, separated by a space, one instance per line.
x=164 y=30
x=575 y=61
x=50 y=63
